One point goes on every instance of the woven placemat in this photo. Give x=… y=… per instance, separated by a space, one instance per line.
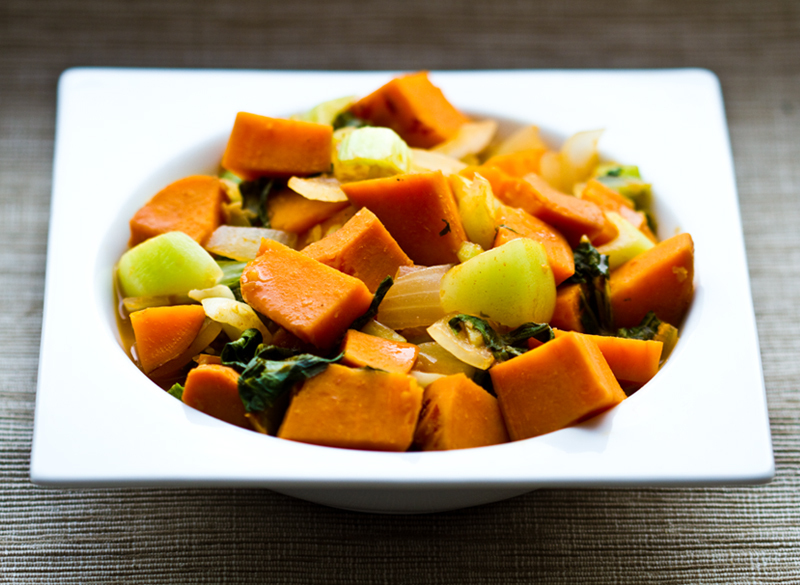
x=718 y=535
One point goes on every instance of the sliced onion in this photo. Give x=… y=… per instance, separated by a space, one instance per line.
x=378 y=329
x=219 y=291
x=318 y=188
x=413 y=300
x=476 y=206
x=425 y=379
x=234 y=317
x=242 y=243
x=471 y=138
x=423 y=161
x=433 y=358
x=133 y=304
x=464 y=347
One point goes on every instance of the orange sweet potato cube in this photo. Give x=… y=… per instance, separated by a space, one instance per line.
x=164 y=333
x=458 y=414
x=214 y=390
x=315 y=302
x=291 y=212
x=558 y=384
x=361 y=349
x=273 y=147
x=362 y=248
x=414 y=108
x=192 y=205
x=418 y=210
x=354 y=409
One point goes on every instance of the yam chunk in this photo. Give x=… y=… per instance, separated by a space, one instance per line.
x=291 y=212
x=660 y=280
x=419 y=211
x=214 y=390
x=518 y=164
x=458 y=414
x=315 y=302
x=516 y=223
x=192 y=205
x=569 y=307
x=610 y=200
x=273 y=147
x=631 y=360
x=361 y=349
x=164 y=333
x=362 y=248
x=354 y=409
x=558 y=384
x=414 y=108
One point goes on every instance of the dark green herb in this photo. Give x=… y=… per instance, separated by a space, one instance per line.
x=503 y=346
x=591 y=273
x=237 y=354
x=176 y=391
x=377 y=298
x=270 y=374
x=646 y=330
x=348 y=120
x=255 y=194
x=446 y=229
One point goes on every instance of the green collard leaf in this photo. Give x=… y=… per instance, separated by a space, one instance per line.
x=646 y=330
x=255 y=194
x=503 y=346
x=270 y=374
x=231 y=272
x=589 y=264
x=176 y=391
x=238 y=354
x=229 y=176
x=591 y=273
x=377 y=299
x=348 y=120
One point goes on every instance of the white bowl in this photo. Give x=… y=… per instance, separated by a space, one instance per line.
x=122 y=134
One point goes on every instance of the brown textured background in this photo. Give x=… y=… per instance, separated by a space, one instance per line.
x=719 y=535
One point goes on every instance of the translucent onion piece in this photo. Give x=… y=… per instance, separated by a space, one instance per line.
x=234 y=317
x=219 y=291
x=133 y=304
x=208 y=333
x=579 y=156
x=476 y=206
x=435 y=359
x=425 y=379
x=461 y=345
x=523 y=139
x=242 y=243
x=378 y=329
x=423 y=161
x=413 y=300
x=318 y=188
x=471 y=138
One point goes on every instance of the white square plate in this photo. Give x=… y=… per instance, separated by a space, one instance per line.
x=122 y=134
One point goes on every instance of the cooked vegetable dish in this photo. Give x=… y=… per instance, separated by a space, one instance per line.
x=386 y=273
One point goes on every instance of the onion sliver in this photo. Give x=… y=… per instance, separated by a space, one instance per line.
x=242 y=243
x=478 y=356
x=413 y=300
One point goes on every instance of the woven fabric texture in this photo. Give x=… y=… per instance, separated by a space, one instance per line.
x=721 y=535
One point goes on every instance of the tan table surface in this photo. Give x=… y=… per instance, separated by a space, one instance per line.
x=718 y=535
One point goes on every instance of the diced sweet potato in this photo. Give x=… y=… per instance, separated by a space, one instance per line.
x=361 y=349
x=214 y=390
x=414 y=108
x=273 y=147
x=518 y=164
x=192 y=205
x=660 y=280
x=561 y=383
x=610 y=200
x=362 y=248
x=291 y=212
x=164 y=333
x=631 y=360
x=315 y=302
x=418 y=210
x=458 y=414
x=567 y=314
x=517 y=223
x=354 y=409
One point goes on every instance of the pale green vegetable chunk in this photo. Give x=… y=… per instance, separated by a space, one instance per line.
x=477 y=207
x=168 y=264
x=627 y=245
x=370 y=153
x=326 y=112
x=512 y=284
